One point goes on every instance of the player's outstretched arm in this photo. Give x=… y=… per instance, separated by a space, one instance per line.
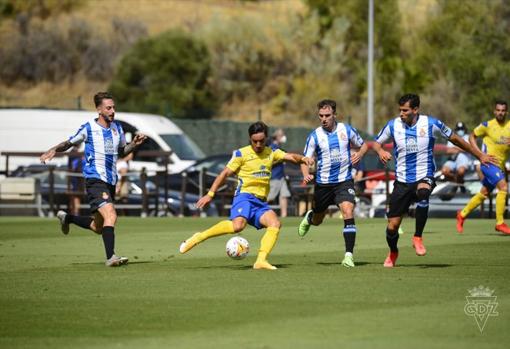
x=473 y=149
x=50 y=154
x=384 y=156
x=137 y=141
x=218 y=182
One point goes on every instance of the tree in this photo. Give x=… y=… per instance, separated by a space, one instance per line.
x=166 y=74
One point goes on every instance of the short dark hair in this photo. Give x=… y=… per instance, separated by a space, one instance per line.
x=257 y=127
x=327 y=103
x=500 y=102
x=98 y=97
x=414 y=100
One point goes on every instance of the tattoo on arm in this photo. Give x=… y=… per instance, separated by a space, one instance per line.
x=128 y=148
x=62 y=146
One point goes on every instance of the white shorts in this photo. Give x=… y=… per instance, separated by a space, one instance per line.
x=462 y=160
x=278 y=186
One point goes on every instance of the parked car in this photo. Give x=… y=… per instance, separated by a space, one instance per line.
x=41 y=172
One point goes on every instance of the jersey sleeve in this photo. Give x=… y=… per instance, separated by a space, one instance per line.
x=385 y=134
x=439 y=128
x=122 y=135
x=236 y=161
x=80 y=136
x=311 y=144
x=481 y=130
x=355 y=138
x=278 y=155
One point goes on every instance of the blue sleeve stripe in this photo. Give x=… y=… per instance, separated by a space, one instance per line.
x=237 y=153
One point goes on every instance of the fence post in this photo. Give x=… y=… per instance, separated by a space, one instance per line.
x=184 y=183
x=166 y=185
x=51 y=182
x=143 y=182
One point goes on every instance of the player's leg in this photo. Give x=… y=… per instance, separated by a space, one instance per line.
x=239 y=215
x=423 y=191
x=349 y=232
x=491 y=176
x=270 y=220
x=284 y=198
x=107 y=229
x=345 y=199
x=400 y=200
x=501 y=206
x=323 y=197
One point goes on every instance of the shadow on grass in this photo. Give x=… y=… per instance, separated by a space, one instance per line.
x=425 y=266
x=238 y=267
x=122 y=266
x=358 y=264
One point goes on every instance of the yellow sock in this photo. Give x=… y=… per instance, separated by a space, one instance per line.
x=500 y=207
x=472 y=204
x=267 y=243
x=221 y=228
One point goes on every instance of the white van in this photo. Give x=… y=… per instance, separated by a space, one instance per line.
x=37 y=130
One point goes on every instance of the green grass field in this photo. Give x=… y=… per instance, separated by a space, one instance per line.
x=55 y=291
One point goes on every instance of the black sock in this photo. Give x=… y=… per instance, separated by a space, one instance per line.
x=349 y=234
x=109 y=241
x=422 y=213
x=392 y=239
x=81 y=221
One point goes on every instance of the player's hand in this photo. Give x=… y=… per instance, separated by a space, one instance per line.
x=384 y=156
x=355 y=157
x=307 y=161
x=307 y=179
x=50 y=154
x=204 y=201
x=139 y=138
x=486 y=159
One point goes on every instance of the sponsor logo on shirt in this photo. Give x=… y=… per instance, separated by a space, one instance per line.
x=411 y=145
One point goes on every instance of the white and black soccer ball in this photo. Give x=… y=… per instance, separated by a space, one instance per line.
x=237 y=247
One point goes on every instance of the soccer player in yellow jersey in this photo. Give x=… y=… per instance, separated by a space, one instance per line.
x=252 y=165
x=496 y=142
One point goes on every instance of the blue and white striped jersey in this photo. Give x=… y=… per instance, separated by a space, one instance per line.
x=101 y=149
x=413 y=146
x=333 y=150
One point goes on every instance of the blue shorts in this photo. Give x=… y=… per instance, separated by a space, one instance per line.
x=250 y=207
x=492 y=175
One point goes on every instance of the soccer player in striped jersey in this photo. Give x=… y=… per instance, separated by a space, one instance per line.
x=104 y=142
x=496 y=141
x=413 y=135
x=331 y=144
x=252 y=165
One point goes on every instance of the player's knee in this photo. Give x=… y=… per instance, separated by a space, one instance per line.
x=503 y=186
x=423 y=194
x=238 y=226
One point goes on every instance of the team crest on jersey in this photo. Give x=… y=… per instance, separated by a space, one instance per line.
x=343 y=136
x=114 y=131
x=422 y=132
x=262 y=167
x=105 y=196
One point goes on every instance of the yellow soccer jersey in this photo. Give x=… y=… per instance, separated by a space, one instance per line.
x=254 y=169
x=496 y=139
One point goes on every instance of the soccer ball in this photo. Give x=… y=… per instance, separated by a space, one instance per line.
x=237 y=247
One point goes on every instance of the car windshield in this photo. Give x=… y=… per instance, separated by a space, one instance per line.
x=215 y=165
x=183 y=146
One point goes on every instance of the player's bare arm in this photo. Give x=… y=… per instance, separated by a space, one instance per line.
x=298 y=159
x=50 y=154
x=218 y=182
x=128 y=148
x=473 y=149
x=384 y=156
x=356 y=156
